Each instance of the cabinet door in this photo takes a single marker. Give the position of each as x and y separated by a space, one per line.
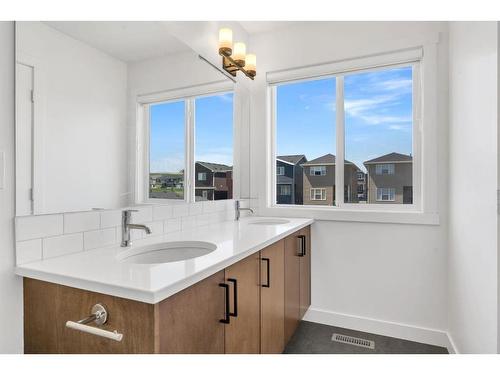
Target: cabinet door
242 334
305 273
189 321
292 284
272 299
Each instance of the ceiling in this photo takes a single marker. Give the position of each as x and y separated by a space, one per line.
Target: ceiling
125 40
255 27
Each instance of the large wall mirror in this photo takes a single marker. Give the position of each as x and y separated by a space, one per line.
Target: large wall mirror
109 114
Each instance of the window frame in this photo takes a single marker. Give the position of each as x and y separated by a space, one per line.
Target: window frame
280 168
204 174
405 58
391 170
315 167
312 194
189 96
391 191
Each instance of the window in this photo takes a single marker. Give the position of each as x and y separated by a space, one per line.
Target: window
167 148
280 171
381 169
173 164
361 189
317 171
318 194
386 194
373 110
306 136
214 142
285 190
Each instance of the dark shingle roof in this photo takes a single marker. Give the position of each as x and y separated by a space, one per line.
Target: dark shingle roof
284 180
392 157
214 167
325 159
294 159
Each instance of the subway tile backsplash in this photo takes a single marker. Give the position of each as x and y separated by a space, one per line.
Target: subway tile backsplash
46 236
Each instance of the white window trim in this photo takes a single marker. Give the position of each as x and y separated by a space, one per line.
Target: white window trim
389 166
321 168
390 190
312 194
189 95
279 171
204 174
424 209
289 188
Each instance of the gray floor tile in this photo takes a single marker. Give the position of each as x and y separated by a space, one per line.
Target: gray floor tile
314 338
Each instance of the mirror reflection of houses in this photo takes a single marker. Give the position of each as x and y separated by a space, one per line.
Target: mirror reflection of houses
213 181
166 185
289 181
390 179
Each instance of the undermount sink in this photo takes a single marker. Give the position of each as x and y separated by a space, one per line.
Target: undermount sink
269 221
166 252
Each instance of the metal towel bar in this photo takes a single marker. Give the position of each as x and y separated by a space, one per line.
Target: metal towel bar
99 315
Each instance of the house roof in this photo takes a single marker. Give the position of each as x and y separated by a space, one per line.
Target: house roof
322 160
391 157
214 167
284 180
292 159
325 160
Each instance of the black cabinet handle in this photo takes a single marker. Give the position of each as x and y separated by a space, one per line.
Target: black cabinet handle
268 281
235 297
226 312
302 245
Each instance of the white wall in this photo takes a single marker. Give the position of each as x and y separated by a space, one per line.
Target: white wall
473 247
11 294
387 278
83 101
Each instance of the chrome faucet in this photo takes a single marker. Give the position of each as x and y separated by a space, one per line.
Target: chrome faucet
237 210
127 225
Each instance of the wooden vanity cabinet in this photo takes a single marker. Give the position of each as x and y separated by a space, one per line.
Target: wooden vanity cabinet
272 292
253 306
242 333
297 279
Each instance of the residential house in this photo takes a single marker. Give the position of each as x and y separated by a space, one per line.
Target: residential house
361 179
166 185
289 181
213 181
319 181
390 179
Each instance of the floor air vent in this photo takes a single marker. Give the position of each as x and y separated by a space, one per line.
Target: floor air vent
356 341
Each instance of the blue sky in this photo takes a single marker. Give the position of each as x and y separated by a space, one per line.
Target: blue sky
213 134
378 115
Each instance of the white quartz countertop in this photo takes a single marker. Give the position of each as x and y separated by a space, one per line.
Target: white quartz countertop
100 271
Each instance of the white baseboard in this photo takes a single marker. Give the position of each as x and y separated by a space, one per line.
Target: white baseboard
381 327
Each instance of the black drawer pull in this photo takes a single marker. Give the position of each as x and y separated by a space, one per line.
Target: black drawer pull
235 297
302 245
226 303
268 281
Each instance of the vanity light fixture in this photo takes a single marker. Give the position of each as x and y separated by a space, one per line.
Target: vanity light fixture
237 58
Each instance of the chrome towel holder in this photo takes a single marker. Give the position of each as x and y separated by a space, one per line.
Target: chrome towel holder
99 316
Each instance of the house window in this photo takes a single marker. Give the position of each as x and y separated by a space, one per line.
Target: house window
171 127
386 194
367 113
204 195
318 194
280 171
381 169
317 171
285 190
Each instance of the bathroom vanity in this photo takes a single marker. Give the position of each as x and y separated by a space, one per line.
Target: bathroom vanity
247 296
